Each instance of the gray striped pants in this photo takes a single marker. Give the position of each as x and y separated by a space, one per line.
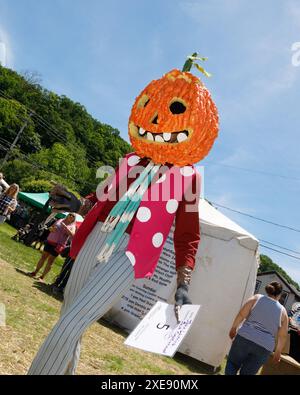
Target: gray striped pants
91 291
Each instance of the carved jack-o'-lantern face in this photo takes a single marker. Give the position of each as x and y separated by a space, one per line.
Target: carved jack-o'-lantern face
174 120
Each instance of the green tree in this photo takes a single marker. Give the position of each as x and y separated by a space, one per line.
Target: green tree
57 159
61 137
36 186
16 170
266 265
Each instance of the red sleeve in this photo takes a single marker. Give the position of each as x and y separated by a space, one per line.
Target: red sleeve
92 197
187 229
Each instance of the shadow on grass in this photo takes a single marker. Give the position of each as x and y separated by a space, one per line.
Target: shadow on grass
196 366
48 289
25 273
113 327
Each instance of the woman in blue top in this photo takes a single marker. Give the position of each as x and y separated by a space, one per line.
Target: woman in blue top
263 330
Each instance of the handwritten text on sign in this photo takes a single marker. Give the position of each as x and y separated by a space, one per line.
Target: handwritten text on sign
159 331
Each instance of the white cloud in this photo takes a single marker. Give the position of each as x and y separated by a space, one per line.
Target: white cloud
265 70
266 83
7 55
277 84
2 54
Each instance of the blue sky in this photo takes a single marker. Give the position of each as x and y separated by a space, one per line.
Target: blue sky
102 53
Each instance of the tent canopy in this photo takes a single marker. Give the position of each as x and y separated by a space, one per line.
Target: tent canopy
39 200
223 279
35 199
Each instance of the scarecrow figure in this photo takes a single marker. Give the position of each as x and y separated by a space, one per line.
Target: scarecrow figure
172 126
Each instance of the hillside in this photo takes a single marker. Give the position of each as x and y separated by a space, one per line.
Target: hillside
61 140
266 265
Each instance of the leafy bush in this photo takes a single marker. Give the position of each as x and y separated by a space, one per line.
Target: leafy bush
36 186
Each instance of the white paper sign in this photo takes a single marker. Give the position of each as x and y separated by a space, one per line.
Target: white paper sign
159 331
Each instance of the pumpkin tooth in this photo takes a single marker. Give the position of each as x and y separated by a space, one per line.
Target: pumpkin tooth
159 139
150 136
142 131
181 137
167 136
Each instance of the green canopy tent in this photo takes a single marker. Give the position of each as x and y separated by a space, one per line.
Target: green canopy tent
34 199
39 200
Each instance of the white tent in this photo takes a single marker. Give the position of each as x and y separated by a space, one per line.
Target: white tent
224 277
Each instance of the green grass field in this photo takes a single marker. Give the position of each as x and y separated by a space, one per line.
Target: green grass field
31 312
19 255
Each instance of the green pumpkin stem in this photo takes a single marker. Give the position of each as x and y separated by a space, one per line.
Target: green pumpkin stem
191 61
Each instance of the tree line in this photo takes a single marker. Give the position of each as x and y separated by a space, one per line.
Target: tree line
61 142
267 265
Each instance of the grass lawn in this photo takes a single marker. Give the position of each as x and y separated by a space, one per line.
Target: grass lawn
31 312
20 256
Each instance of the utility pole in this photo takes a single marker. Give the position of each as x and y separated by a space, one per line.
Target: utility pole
15 140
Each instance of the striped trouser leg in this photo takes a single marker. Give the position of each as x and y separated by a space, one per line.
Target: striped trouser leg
84 265
82 270
103 290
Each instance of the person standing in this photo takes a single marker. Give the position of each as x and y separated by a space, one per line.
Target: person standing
3 184
61 281
263 320
60 233
8 202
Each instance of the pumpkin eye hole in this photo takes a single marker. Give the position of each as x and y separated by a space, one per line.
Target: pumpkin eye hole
177 107
143 101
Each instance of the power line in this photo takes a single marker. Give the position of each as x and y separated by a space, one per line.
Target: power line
280 252
276 245
254 171
44 124
41 167
3 148
5 141
257 218
22 128
264 241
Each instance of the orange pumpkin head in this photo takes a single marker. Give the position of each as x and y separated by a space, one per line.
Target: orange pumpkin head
174 120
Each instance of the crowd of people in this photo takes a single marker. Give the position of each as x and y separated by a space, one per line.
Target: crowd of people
53 240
